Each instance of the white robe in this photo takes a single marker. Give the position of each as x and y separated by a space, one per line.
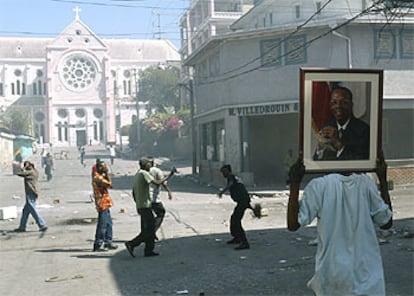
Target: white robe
348 258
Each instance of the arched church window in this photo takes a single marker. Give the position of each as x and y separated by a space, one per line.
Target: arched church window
95 130
66 131
59 130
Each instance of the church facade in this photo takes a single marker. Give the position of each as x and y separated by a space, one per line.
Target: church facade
77 88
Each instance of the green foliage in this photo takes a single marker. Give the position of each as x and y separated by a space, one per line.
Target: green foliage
17 120
159 86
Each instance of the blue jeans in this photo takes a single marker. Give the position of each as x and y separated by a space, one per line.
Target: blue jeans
103 228
30 208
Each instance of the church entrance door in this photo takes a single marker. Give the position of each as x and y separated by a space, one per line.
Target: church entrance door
80 138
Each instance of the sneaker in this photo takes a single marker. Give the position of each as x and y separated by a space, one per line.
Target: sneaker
151 254
20 230
43 229
233 241
99 248
130 249
242 246
110 246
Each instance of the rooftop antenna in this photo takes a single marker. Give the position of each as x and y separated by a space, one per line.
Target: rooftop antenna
158 25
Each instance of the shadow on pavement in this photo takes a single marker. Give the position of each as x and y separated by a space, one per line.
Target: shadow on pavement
206 264
279 263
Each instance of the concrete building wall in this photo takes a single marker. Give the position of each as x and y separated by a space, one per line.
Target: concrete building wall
218 92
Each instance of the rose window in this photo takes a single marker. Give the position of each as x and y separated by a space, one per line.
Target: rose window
78 72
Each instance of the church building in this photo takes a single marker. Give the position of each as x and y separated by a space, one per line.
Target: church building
77 88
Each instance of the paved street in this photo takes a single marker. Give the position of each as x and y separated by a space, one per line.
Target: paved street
194 258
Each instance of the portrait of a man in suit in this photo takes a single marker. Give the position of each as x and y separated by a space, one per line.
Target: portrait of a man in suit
342 136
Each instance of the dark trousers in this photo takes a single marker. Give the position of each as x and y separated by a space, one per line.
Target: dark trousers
147 234
159 211
236 229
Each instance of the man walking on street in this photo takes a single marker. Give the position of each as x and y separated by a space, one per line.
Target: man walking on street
347 206
141 195
31 177
112 153
49 166
156 204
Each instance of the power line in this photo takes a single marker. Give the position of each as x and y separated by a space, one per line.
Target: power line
307 44
98 34
280 42
118 5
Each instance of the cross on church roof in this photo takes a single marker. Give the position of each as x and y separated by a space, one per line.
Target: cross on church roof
77 10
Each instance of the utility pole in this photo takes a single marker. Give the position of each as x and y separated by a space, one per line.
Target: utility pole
193 131
190 90
137 107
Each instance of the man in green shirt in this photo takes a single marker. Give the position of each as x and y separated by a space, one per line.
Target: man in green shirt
141 194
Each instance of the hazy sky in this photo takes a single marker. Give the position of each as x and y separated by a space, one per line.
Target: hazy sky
136 19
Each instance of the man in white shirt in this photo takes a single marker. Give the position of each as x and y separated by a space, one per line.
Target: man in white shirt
112 154
348 259
156 203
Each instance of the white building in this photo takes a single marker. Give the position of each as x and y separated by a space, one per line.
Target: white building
246 82
77 88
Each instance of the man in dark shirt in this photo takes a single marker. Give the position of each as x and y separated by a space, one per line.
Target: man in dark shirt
343 137
240 195
31 177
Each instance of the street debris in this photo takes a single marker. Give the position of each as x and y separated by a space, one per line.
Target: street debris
8 213
57 279
182 292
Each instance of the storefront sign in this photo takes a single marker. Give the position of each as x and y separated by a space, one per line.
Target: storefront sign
264 109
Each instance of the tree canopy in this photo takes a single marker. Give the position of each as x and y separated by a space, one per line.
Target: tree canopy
159 87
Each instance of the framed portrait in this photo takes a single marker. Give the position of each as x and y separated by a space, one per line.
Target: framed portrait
340 119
